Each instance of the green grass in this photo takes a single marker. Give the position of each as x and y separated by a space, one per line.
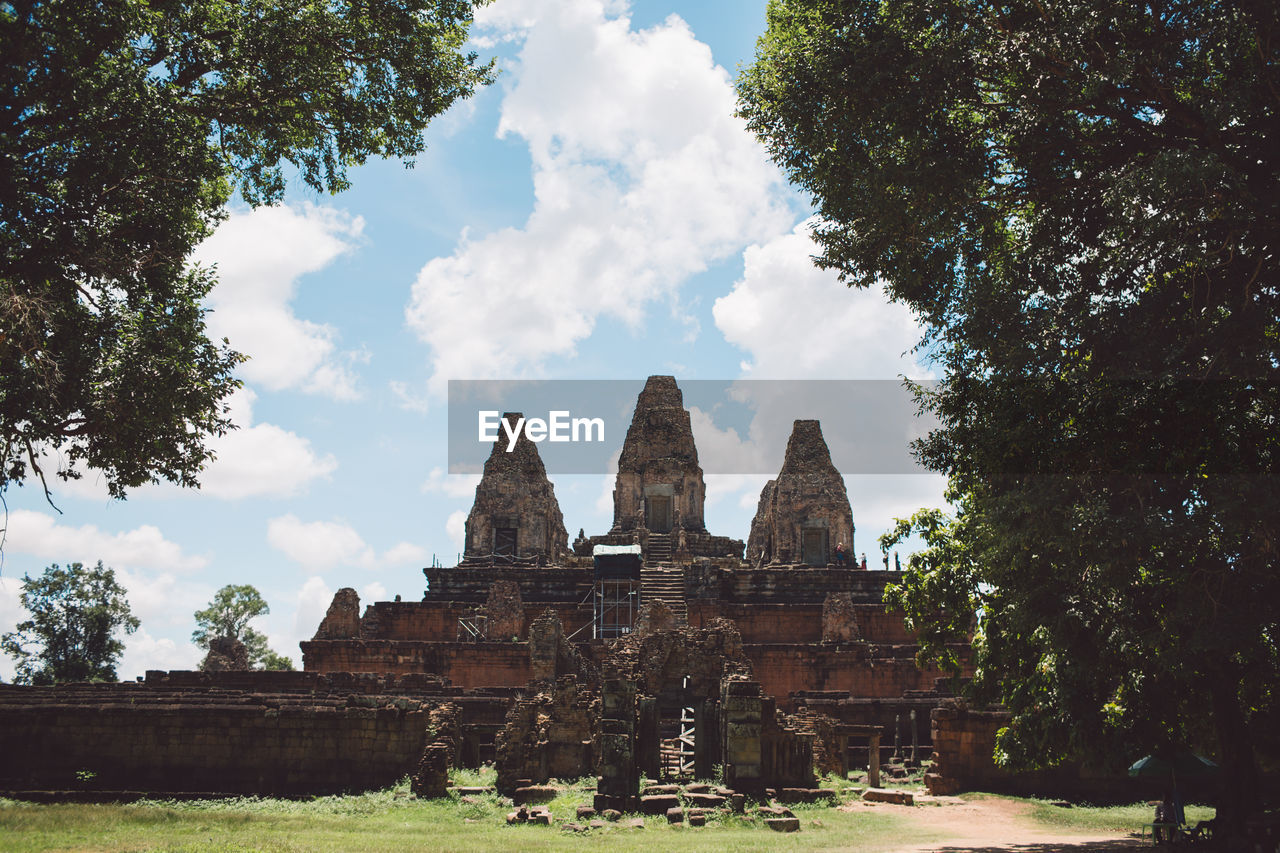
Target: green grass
391 820
1128 818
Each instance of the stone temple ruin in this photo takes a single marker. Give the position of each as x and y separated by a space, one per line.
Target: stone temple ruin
654 649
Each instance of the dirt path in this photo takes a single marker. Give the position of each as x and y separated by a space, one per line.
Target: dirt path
996 826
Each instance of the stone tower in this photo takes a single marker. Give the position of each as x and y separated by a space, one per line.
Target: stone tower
659 486
516 514
805 512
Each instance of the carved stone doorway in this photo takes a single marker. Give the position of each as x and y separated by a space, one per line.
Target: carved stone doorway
504 541
813 546
658 513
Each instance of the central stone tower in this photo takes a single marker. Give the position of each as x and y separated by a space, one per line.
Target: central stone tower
659 486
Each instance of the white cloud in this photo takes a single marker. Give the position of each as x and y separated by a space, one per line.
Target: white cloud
312 603
642 178
453 485
326 544
144 651
373 592
456 527
255 460
261 254
798 322
11 613
262 459
144 547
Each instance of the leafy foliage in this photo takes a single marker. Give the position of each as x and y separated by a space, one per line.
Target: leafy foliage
74 614
228 615
126 127
1080 201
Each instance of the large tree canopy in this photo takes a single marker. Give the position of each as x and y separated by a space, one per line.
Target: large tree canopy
125 126
1081 201
74 615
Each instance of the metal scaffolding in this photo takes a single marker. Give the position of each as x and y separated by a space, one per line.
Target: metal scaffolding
616 603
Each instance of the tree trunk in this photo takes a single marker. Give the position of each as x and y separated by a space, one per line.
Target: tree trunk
1239 772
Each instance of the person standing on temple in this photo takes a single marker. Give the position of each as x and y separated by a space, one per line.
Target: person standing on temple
897 564
841 555
864 561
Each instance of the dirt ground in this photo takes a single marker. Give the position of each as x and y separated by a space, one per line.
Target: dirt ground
997 826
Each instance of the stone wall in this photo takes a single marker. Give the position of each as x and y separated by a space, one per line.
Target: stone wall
775 622
468 665
855 669
140 737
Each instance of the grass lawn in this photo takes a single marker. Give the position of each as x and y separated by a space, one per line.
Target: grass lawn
380 821
392 820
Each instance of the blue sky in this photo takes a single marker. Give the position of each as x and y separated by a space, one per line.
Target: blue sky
598 213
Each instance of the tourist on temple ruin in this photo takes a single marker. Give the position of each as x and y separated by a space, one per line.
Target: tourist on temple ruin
841 555
864 561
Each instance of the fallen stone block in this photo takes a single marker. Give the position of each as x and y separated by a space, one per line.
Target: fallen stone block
783 824
738 802
652 790
675 815
534 794
697 820
709 801
806 795
611 814
635 823
542 818
474 790
658 803
586 812
597 824
698 788
880 795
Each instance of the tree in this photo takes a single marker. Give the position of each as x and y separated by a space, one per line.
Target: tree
1079 200
125 128
228 615
74 616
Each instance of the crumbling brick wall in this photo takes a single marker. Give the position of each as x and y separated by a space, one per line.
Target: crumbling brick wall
549 736
964 742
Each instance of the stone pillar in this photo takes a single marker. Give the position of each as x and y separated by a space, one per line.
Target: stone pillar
741 725
873 760
706 744
915 741
897 735
648 747
544 644
618 786
432 778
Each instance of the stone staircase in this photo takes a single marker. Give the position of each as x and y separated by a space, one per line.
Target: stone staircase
658 549
667 585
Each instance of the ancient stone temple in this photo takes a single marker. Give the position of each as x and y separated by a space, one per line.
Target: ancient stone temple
516 517
653 647
804 513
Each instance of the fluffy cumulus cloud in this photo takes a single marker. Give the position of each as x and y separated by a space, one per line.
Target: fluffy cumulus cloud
261 459
261 254
326 544
642 177
144 547
796 321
